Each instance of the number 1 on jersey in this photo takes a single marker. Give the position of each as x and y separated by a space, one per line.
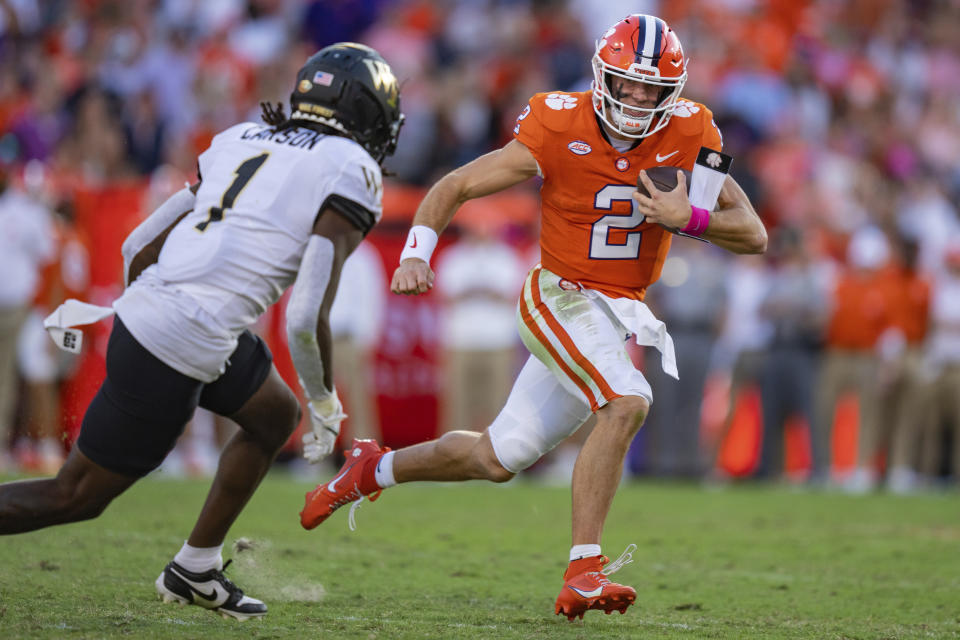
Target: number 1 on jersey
244 172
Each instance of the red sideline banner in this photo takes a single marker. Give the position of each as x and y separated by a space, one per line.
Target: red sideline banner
407 365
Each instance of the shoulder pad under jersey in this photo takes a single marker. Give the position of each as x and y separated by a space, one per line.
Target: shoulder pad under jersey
557 111
690 116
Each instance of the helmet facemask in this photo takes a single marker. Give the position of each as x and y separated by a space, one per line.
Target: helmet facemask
628 120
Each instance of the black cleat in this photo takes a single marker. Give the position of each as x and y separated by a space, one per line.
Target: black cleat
210 589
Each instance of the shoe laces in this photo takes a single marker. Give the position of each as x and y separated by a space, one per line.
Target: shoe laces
351 516
625 558
225 581
349 496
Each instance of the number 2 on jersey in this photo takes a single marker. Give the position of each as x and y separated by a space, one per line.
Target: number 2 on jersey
244 172
600 247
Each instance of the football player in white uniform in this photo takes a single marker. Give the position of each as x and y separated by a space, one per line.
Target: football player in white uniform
276 203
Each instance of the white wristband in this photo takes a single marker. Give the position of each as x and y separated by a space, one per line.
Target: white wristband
421 241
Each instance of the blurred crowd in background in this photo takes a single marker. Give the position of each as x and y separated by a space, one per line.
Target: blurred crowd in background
833 359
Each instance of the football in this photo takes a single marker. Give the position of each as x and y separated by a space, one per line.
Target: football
665 179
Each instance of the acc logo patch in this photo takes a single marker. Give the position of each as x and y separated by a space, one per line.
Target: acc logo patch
579 147
685 109
622 164
566 285
304 86
561 101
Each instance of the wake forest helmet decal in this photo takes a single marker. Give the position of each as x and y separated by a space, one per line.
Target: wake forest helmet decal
349 87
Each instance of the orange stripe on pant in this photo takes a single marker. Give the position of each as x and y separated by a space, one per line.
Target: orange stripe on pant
567 341
542 339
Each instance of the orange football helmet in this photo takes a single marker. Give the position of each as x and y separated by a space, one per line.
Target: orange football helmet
639 48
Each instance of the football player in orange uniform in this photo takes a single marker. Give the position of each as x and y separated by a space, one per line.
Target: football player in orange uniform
602 244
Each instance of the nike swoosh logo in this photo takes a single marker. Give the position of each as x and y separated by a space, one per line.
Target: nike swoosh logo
215 597
661 158
589 594
676 63
332 487
414 245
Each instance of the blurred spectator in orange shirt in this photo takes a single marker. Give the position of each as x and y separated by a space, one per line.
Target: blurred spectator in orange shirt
903 392
861 312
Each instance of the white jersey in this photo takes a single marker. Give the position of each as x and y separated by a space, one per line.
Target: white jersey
233 256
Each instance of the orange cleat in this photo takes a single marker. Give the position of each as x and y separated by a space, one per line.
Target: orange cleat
586 587
354 482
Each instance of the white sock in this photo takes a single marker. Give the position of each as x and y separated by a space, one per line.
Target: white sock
384 471
199 560
579 551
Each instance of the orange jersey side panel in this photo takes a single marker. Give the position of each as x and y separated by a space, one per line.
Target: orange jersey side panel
591 232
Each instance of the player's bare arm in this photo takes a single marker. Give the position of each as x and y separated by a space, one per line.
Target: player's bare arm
495 171
734 225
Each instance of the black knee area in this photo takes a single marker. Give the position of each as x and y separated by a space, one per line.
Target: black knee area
89 510
274 417
292 413
75 504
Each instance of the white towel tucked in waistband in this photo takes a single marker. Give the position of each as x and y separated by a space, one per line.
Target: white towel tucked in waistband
73 313
648 331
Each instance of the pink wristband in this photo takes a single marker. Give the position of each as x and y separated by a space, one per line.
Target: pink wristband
699 219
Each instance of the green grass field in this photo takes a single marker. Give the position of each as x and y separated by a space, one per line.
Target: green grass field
485 561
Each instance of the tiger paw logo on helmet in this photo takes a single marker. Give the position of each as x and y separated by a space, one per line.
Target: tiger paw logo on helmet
561 101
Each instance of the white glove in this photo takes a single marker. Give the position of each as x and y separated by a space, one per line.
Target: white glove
326 414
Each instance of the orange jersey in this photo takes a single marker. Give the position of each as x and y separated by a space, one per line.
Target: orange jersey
911 304
591 231
863 307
